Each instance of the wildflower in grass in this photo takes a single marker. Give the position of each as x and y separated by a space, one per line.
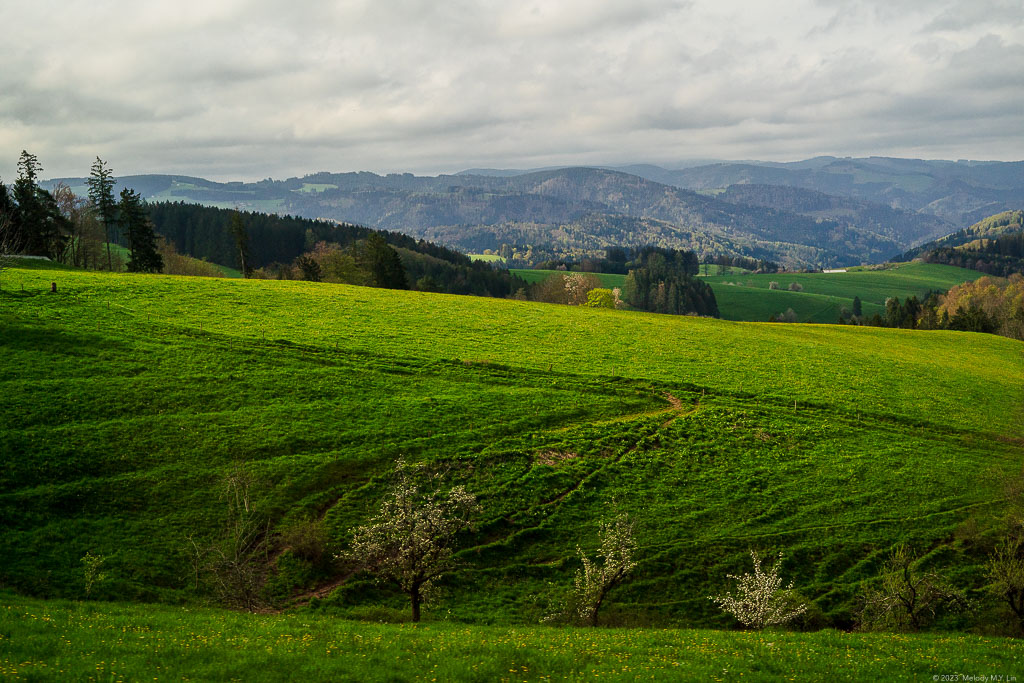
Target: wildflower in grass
760 600
412 539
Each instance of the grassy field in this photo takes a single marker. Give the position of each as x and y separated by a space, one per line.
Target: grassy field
124 399
609 280
489 258
121 642
747 297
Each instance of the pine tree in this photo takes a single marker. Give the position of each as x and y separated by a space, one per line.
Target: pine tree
38 221
101 194
384 263
241 235
138 229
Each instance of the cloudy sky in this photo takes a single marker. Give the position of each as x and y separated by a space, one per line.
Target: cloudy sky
237 89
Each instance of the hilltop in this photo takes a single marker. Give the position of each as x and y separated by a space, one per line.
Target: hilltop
126 400
713 210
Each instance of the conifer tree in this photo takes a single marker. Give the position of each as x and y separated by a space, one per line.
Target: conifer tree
101 194
38 221
137 227
241 235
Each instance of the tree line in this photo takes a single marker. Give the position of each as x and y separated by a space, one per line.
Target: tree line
989 304
1001 256
293 248
62 227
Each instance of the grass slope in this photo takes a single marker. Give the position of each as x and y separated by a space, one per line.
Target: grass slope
89 641
125 398
747 297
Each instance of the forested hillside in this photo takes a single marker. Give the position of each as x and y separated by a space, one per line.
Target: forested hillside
994 245
960 192
276 241
572 212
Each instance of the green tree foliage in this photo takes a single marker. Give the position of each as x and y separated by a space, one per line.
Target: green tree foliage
38 225
138 230
600 297
275 242
664 281
384 264
101 194
241 235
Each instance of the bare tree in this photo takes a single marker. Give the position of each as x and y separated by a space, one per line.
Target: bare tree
235 562
907 598
1005 571
596 578
8 245
760 600
411 540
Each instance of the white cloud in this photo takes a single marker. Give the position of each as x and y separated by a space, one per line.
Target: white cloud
251 89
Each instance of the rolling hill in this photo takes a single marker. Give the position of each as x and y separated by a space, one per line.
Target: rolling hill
125 400
570 211
961 192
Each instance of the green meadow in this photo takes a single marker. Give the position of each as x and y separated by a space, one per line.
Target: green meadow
125 399
62 640
824 295
609 280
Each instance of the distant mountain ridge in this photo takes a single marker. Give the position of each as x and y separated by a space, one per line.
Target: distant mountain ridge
761 210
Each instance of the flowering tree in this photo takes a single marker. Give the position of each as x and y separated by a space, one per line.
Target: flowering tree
596 578
760 600
411 540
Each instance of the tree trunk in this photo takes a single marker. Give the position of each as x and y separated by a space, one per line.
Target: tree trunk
415 597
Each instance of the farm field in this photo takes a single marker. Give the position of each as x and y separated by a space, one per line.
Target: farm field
747 297
63 640
125 399
741 303
609 280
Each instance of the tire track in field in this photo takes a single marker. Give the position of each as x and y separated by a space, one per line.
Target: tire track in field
676 406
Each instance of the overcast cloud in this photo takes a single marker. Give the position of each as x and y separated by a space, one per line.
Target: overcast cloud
250 89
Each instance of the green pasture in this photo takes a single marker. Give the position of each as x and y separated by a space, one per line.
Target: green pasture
317 187
609 280
748 297
487 258
126 398
121 642
738 302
